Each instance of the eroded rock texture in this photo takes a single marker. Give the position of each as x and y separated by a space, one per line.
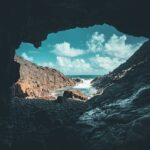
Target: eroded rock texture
74 94
39 82
119 118
31 21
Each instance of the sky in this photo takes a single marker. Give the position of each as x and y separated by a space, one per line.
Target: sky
96 50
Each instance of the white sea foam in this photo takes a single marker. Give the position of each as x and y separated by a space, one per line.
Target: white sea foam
85 85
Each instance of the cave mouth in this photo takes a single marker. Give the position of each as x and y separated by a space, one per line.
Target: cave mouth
80 53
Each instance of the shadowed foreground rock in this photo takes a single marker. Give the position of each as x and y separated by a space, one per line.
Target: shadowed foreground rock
31 21
119 118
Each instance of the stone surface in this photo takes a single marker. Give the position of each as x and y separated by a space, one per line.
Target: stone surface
119 117
41 124
117 128
74 94
127 78
78 80
31 21
36 81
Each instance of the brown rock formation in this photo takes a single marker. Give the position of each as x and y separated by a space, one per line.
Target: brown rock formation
37 81
74 94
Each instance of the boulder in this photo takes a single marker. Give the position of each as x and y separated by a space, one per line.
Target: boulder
74 94
78 80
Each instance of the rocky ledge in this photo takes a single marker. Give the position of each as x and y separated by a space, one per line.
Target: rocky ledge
119 116
38 82
74 94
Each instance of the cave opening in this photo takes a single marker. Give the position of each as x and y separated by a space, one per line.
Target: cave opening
81 54
118 66
117 119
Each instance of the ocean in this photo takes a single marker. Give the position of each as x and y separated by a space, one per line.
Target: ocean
84 87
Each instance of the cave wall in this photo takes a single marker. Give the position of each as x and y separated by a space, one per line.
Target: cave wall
31 21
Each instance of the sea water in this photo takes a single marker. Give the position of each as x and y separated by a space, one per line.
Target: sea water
85 86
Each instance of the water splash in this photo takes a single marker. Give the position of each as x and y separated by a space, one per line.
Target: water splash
84 85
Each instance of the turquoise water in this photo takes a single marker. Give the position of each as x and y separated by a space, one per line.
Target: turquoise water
84 87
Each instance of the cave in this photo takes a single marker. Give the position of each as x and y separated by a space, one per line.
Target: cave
31 21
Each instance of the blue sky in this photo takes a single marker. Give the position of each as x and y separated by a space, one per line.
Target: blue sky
96 50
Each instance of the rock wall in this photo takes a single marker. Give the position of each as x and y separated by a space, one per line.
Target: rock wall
36 81
128 77
31 21
119 117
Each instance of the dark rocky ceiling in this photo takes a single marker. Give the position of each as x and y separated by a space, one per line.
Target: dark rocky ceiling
31 21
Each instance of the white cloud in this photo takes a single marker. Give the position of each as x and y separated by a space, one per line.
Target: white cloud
114 51
25 56
65 49
95 44
105 64
73 66
109 54
116 46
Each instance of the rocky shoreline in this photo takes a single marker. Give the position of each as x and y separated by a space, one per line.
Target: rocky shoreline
39 82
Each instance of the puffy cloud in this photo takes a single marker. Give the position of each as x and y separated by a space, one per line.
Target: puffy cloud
95 44
116 46
65 49
102 55
73 66
25 56
105 63
111 53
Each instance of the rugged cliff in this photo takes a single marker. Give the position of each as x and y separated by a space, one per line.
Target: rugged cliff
116 119
128 77
119 116
32 20
112 127
37 81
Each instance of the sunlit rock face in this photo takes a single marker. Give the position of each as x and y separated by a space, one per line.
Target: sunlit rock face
39 82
